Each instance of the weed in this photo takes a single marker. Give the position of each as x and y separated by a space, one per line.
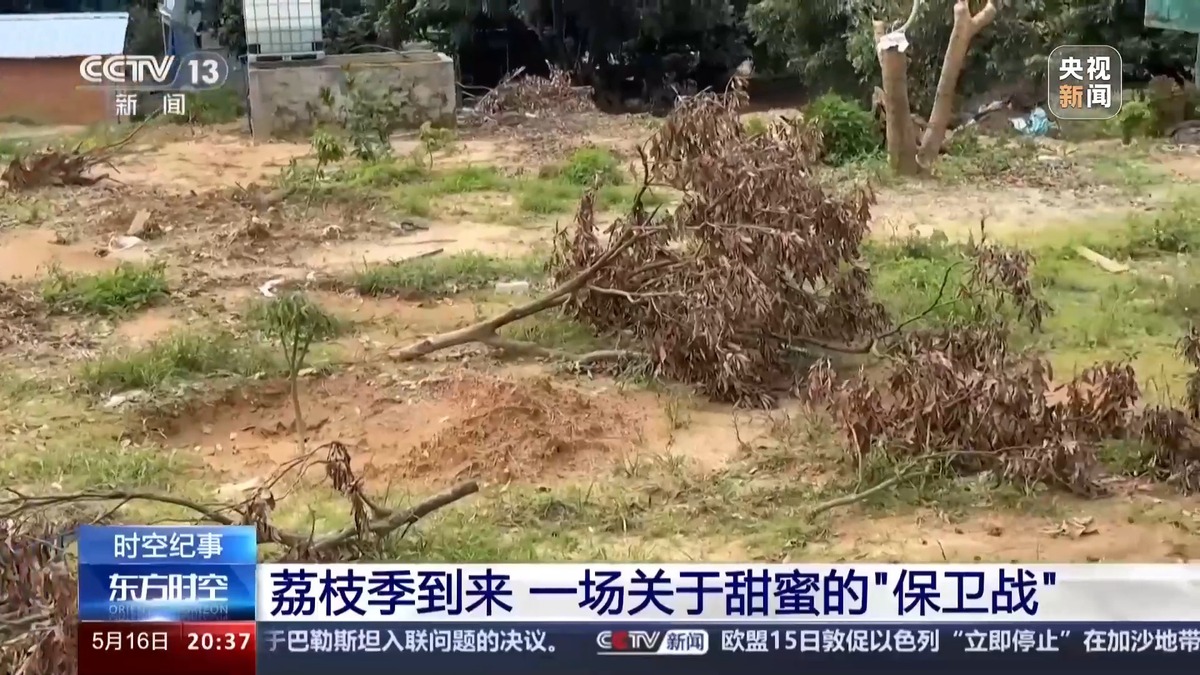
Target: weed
215 106
547 197
620 197
989 161
1172 231
556 332
470 179
1127 458
411 201
177 357
848 131
592 166
1135 119
443 274
127 288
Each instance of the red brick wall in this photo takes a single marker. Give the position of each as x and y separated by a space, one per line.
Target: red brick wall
44 91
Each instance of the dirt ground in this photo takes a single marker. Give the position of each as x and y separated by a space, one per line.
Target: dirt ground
572 465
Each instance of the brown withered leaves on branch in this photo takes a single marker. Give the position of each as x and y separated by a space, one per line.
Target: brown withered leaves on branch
38 600
756 260
961 393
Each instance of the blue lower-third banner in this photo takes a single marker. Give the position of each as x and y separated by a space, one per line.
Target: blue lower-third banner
693 649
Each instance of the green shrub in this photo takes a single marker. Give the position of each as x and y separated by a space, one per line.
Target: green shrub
848 130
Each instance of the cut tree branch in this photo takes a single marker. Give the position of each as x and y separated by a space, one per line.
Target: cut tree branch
20 504
484 332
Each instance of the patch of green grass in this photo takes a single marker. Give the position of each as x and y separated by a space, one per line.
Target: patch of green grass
1126 457
470 179
13 147
127 288
384 174
546 197
215 106
946 490
620 197
353 181
587 167
552 331
408 186
179 357
1171 230
754 126
443 274
412 200
971 159
1116 315
1125 173
872 169
908 272
65 444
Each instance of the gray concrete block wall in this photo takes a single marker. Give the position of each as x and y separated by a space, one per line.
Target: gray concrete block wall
285 96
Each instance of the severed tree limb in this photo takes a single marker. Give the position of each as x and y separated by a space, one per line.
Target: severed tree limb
485 331
910 470
21 504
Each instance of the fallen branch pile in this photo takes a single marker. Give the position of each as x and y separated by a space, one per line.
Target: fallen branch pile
757 261
61 168
530 94
962 395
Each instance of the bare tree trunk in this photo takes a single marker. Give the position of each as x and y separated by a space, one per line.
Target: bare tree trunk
901 137
965 28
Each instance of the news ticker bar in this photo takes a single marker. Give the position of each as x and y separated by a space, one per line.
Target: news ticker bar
318 648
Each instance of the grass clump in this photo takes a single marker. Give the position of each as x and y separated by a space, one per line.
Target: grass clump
546 197
470 179
591 166
552 331
215 106
125 289
175 358
443 274
848 131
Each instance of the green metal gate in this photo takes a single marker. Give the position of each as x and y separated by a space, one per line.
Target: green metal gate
1181 15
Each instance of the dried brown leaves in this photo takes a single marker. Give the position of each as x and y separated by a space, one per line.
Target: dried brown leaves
38 620
962 394
22 317
51 168
756 260
536 95
1174 433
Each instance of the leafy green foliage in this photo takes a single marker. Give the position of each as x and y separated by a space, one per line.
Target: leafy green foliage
1134 120
127 288
1012 47
590 166
848 131
295 322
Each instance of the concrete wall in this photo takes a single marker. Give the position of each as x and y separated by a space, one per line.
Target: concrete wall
46 91
285 96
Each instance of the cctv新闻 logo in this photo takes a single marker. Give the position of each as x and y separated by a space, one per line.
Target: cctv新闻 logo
674 642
